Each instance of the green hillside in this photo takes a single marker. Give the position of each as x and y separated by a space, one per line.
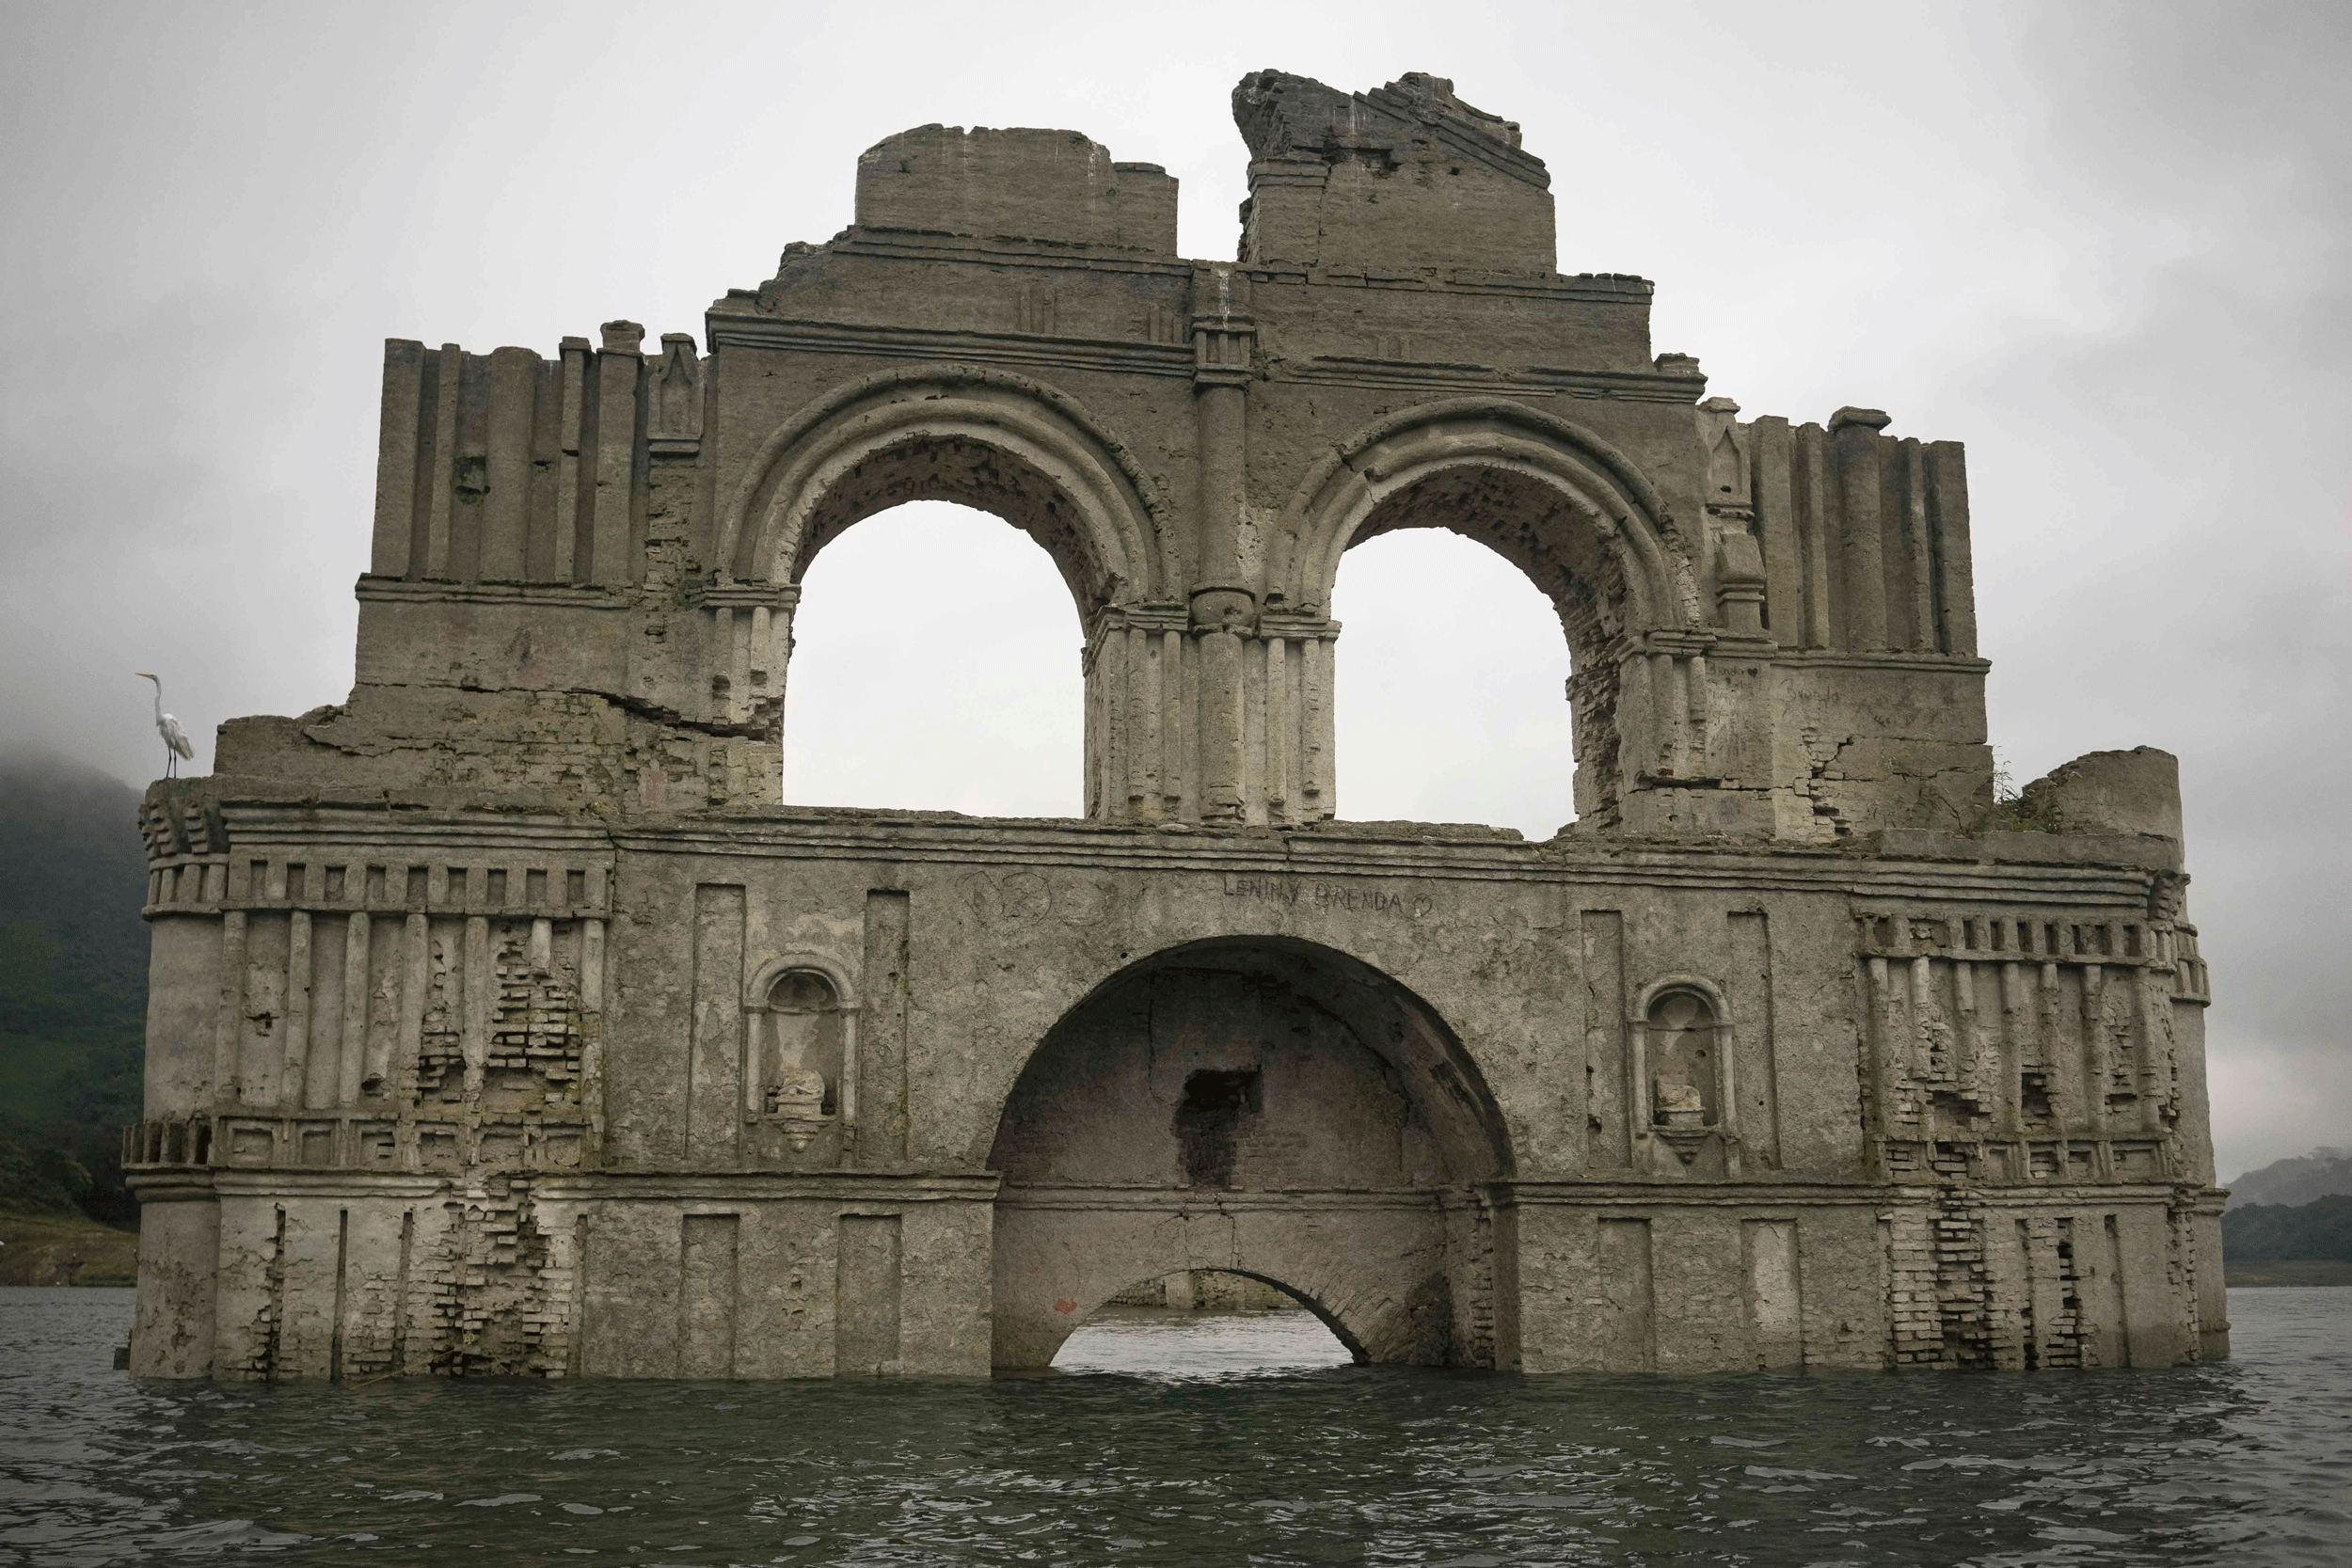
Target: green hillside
73 984
2315 1232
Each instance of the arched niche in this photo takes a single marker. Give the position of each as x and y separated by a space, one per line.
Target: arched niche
1681 1029
1562 505
1684 1061
800 1077
1265 1106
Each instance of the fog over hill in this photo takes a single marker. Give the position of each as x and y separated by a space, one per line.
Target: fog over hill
2306 1178
73 977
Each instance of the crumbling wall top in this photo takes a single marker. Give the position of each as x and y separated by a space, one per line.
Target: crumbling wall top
1283 115
2135 792
1401 179
1054 186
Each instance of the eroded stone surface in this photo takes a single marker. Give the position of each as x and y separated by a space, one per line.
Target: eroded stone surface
503 1022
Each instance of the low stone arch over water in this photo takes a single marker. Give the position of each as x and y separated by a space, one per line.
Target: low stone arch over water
1207 1324
1267 1107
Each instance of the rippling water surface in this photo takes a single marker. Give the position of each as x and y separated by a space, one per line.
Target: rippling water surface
1235 1440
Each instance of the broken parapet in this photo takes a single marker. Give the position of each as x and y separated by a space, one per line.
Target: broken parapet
1402 178
1055 186
533 538
2135 792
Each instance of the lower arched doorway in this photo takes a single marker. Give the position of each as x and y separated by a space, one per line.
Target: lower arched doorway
1267 1107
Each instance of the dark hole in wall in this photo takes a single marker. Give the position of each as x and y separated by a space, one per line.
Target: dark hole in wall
2033 1095
1208 1121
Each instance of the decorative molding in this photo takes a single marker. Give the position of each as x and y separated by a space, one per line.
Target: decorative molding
1472 379
1827 658
372 588
732 594
653 1186
1126 525
932 345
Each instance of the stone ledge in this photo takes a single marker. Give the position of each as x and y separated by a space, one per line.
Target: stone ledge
1797 1196
2142 851
904 1185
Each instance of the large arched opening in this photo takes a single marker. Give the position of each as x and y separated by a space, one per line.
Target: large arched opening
1572 513
1264 1106
901 697
1450 702
981 440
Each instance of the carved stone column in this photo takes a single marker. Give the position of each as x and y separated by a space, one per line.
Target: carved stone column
1224 600
750 646
1287 681
1139 665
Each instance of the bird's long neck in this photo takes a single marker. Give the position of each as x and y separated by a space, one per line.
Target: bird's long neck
159 700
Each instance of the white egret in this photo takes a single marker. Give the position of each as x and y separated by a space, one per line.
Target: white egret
175 743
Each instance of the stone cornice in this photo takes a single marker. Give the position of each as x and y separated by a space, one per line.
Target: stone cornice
1216 1200
372 588
746 596
1135 357
1311 854
1838 659
1129 356
494 837
926 244
1612 1193
189 1184
833 1186
1912 867
1524 381
1574 288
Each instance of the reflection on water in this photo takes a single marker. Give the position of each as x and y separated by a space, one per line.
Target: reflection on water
1176 1444
1142 1342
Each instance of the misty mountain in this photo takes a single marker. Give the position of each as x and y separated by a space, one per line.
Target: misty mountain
2322 1173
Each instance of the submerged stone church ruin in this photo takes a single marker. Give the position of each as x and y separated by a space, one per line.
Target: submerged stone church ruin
503 1020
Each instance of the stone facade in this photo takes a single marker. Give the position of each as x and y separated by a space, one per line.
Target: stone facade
503 1023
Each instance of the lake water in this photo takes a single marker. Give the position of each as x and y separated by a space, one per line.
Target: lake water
1211 1441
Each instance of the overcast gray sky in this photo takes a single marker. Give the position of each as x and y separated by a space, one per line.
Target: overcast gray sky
2103 245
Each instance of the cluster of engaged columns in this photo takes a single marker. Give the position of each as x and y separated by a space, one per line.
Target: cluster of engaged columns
751 646
1217 708
507 467
1666 684
1187 726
